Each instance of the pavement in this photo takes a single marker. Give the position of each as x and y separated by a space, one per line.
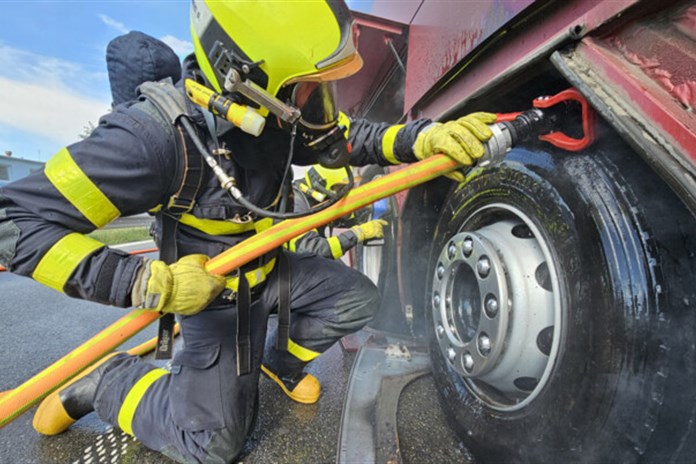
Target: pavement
40 325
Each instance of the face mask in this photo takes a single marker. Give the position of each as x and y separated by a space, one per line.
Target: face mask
318 123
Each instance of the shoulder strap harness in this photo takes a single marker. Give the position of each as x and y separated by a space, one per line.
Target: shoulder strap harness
171 104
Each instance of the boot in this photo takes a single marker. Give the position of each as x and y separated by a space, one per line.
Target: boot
302 387
62 408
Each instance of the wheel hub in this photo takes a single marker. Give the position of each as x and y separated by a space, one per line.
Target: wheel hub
494 310
468 274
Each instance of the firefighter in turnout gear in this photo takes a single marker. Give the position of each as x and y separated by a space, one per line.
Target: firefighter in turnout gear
320 184
276 61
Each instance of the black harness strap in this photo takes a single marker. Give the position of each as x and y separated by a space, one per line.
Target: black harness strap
171 104
283 302
243 325
168 254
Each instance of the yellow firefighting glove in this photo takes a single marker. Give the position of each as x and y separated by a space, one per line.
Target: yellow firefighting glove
459 139
369 230
184 287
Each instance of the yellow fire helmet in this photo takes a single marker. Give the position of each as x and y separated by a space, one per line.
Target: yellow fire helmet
325 180
274 43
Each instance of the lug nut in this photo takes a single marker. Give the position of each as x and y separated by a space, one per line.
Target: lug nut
440 271
483 267
451 250
440 330
484 344
451 354
468 362
491 306
436 299
468 246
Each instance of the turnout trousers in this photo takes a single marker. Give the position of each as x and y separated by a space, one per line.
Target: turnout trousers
200 410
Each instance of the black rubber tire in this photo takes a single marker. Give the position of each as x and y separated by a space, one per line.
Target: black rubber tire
622 387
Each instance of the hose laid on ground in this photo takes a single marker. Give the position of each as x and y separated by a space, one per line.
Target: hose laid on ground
17 401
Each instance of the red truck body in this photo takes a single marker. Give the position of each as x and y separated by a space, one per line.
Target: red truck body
592 252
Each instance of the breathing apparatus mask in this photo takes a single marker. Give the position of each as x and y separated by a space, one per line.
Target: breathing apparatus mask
309 112
318 123
310 106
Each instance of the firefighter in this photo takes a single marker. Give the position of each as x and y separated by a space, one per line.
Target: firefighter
203 406
318 185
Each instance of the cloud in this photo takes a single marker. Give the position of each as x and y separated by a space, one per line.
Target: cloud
57 114
49 97
27 67
180 47
119 26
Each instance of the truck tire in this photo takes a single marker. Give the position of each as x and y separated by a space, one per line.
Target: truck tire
561 308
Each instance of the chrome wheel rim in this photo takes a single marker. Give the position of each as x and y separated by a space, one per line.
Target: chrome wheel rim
496 307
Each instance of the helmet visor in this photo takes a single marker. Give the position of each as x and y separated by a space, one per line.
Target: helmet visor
317 104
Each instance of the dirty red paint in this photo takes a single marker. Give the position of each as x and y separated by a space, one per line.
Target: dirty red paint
628 79
443 33
664 51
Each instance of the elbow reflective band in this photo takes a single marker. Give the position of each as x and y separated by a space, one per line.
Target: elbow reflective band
335 245
136 393
300 352
59 262
388 141
216 227
67 177
254 277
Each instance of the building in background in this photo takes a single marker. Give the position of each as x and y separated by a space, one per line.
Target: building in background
12 168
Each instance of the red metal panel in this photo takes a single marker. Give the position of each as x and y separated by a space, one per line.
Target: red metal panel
539 37
442 33
661 108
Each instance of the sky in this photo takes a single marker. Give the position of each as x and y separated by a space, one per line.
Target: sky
53 78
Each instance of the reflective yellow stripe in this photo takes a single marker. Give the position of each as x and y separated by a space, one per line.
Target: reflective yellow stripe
263 224
344 120
292 244
301 353
216 227
59 262
67 177
388 141
254 277
335 245
136 393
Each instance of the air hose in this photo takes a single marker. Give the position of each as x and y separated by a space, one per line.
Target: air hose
229 184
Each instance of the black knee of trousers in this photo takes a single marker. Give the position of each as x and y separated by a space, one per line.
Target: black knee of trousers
357 306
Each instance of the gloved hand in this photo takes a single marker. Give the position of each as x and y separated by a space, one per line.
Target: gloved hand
369 230
459 139
184 287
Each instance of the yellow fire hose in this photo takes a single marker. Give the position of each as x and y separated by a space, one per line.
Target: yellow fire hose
15 402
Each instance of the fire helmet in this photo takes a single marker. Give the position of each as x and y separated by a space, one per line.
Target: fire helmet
274 43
